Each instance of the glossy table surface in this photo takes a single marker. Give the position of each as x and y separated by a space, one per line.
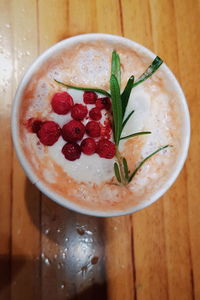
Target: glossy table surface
48 252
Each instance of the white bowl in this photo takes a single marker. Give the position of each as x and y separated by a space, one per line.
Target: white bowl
24 162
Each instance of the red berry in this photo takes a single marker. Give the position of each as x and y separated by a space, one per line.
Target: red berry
95 114
73 131
93 129
88 146
89 97
103 103
49 133
71 151
79 112
62 103
105 149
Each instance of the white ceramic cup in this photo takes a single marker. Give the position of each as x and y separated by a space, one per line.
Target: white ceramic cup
15 129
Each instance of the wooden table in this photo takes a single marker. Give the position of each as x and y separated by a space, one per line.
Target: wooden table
48 252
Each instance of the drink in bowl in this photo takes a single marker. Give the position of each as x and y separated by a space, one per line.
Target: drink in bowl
100 125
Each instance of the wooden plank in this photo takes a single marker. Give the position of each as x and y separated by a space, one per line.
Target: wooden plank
119 258
52 22
175 201
118 239
187 20
137 21
81 17
26 198
108 17
151 280
6 147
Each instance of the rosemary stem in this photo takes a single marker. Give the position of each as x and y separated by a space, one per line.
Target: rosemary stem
121 168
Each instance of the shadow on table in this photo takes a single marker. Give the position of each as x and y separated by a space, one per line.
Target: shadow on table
9 270
72 249
94 292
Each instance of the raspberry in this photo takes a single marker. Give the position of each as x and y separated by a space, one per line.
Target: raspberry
103 103
93 129
71 151
79 112
49 133
62 103
89 97
95 114
88 146
105 149
73 131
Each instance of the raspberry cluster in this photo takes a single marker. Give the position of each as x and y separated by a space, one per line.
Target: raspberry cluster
73 132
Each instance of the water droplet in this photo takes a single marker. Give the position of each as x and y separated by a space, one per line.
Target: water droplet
89 232
46 231
94 260
47 261
84 270
66 239
80 230
60 266
62 286
58 230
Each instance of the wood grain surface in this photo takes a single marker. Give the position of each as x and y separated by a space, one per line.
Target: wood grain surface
48 252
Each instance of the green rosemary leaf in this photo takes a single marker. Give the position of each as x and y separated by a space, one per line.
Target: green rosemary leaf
117 173
115 66
135 134
126 171
144 160
126 93
100 91
127 118
157 62
116 107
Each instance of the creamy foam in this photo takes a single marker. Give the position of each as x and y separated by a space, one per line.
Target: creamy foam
90 181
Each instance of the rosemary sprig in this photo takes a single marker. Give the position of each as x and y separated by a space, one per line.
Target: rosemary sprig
115 66
135 134
116 108
157 62
117 172
126 170
127 118
126 93
144 160
100 91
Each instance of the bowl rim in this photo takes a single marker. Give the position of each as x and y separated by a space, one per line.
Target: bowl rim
24 162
